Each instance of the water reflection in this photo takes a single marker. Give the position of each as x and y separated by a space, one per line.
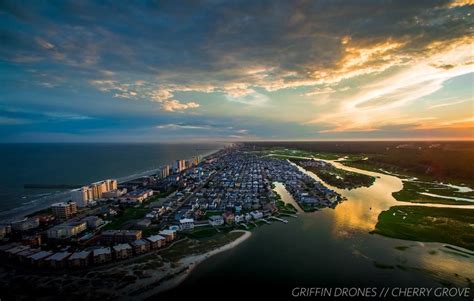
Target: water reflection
286 196
360 213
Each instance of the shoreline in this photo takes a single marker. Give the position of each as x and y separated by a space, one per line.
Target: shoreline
187 264
45 201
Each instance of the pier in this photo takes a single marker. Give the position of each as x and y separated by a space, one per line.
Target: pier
52 186
245 225
279 219
289 214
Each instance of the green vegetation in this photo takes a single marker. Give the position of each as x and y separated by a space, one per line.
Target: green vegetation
411 193
128 214
202 232
210 213
338 177
198 246
445 225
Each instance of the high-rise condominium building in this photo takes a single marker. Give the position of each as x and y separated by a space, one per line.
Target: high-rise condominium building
64 210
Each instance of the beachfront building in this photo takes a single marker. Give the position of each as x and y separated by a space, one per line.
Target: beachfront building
64 210
97 189
179 166
157 241
39 259
101 255
80 259
58 260
23 255
120 236
111 184
82 196
141 246
12 252
216 220
169 235
122 251
165 171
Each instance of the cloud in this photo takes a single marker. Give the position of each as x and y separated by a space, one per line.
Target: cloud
12 121
161 95
457 3
447 104
43 43
319 91
175 126
146 60
175 105
380 100
251 98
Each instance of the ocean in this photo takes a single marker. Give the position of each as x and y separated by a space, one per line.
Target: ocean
77 164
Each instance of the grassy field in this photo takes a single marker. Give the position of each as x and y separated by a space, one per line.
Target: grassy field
445 225
202 232
128 214
411 193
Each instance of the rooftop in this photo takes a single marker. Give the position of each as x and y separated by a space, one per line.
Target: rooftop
155 238
102 251
80 255
59 256
122 247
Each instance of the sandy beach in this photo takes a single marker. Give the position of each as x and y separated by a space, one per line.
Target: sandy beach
187 264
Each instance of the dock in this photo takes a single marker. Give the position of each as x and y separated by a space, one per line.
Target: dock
245 225
279 219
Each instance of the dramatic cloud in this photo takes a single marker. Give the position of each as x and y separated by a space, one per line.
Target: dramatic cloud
319 67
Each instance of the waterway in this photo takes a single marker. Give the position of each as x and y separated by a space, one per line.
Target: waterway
329 248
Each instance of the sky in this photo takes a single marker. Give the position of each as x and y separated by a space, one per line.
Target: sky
170 71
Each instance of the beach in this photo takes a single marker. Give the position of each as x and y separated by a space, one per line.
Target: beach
186 265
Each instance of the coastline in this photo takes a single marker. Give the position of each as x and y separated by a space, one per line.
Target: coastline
45 201
185 266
